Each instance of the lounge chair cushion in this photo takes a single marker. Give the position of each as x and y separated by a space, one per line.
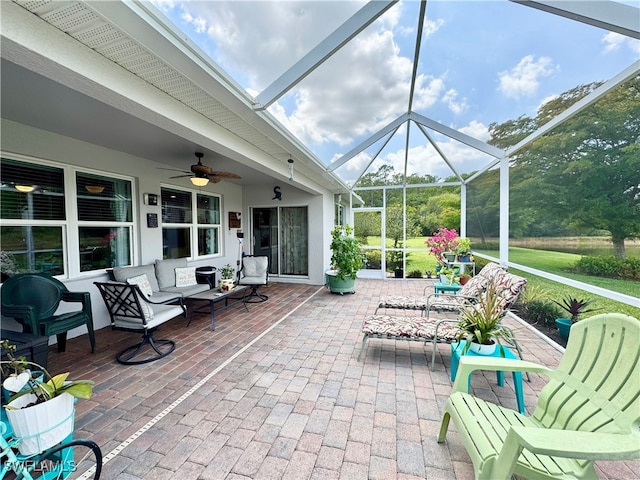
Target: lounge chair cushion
409 327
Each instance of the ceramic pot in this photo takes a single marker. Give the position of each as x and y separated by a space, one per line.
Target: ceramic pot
564 327
226 284
480 349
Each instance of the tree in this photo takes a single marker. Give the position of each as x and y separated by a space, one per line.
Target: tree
584 173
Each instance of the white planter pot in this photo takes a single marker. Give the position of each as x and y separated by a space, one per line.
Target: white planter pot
41 426
226 284
480 349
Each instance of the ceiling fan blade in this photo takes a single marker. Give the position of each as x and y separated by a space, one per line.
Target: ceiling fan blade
224 175
173 169
182 176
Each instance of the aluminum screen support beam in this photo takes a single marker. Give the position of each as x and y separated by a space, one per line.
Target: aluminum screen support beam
613 16
323 51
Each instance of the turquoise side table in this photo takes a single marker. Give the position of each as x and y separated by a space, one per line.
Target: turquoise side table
456 351
446 287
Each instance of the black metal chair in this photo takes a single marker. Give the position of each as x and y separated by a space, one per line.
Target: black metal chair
254 273
33 298
130 310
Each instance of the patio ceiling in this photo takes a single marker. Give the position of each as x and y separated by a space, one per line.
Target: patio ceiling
141 40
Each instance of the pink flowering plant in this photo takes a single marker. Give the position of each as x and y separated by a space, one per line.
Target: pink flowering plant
444 240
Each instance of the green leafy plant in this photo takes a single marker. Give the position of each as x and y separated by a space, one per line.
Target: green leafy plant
345 256
51 388
414 274
13 366
575 307
463 247
481 322
227 271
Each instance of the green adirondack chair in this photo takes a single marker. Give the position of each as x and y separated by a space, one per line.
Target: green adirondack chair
589 410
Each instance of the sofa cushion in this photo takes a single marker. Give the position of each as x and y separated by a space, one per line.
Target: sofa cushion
166 271
186 291
121 274
185 276
143 283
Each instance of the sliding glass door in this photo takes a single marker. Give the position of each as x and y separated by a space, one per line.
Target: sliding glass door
282 234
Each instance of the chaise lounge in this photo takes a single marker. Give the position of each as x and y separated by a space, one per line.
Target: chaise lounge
434 331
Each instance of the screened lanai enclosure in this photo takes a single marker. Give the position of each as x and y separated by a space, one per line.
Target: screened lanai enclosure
515 122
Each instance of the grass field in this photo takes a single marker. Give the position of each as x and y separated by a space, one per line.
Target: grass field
548 261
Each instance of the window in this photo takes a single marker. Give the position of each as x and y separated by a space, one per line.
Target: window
33 217
105 221
38 230
182 225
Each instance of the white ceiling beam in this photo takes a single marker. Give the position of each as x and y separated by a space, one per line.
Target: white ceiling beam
613 16
440 152
323 51
368 142
456 135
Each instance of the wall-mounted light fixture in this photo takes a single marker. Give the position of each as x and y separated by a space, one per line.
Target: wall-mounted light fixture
25 188
199 181
290 161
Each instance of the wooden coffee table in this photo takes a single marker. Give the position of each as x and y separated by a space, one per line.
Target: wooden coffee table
214 296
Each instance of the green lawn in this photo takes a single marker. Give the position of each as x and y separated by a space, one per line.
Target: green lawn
548 261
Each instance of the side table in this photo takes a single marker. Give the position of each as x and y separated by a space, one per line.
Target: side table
456 352
446 287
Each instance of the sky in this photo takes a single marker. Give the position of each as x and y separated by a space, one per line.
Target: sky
481 62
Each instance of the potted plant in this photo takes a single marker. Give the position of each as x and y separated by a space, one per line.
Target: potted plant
447 275
575 308
346 260
463 278
463 249
41 414
443 243
226 283
480 324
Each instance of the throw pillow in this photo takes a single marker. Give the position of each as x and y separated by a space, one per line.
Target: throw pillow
186 276
143 283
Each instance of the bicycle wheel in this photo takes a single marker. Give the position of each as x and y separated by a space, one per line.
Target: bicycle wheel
71 460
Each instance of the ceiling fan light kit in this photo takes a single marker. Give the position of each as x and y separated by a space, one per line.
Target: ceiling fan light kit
200 174
199 181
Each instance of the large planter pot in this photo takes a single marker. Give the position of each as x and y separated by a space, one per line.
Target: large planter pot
41 426
398 273
464 258
337 285
450 257
480 349
564 327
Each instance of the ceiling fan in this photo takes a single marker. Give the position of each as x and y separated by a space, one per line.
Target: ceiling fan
201 174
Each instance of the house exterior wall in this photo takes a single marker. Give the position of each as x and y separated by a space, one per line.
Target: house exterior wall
25 142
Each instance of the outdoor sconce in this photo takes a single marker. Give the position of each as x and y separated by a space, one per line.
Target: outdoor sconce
290 161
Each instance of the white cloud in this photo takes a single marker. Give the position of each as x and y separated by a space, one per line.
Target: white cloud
371 91
524 79
614 41
455 105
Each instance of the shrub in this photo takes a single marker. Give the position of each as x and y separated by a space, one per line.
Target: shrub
542 312
414 274
609 266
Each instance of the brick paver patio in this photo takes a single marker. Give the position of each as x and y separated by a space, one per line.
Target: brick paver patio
277 392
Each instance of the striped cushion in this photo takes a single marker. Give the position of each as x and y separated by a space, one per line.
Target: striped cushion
398 301
408 327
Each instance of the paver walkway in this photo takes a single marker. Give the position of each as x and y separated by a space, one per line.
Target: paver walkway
277 393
